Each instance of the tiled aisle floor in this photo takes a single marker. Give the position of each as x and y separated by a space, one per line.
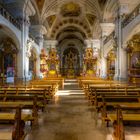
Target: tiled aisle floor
70 117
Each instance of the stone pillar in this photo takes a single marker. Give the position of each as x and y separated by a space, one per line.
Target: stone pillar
21 57
107 29
38 31
121 59
123 74
27 11
48 44
89 43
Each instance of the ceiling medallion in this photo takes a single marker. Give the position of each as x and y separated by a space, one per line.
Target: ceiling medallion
70 9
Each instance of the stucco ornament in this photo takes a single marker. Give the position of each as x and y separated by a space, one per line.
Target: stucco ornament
29 47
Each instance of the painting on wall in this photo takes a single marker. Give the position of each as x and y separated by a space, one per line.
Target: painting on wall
135 60
112 65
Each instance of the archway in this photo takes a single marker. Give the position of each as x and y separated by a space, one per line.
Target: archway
8 58
70 63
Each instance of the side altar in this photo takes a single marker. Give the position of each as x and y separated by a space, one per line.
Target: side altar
89 63
49 65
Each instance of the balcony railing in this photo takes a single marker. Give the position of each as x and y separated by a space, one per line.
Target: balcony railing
110 37
10 18
131 16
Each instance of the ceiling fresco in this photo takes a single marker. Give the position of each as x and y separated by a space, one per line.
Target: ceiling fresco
70 9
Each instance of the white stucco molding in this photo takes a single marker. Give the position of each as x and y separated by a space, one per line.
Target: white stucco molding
29 9
107 28
50 43
39 29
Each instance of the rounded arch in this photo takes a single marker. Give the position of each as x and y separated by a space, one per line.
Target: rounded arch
66 44
130 34
80 26
88 5
11 34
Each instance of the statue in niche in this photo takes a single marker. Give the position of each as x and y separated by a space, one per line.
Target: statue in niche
29 47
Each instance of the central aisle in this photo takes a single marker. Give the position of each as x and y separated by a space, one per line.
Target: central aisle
69 117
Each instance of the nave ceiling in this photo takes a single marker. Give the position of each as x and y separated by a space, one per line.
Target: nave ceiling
69 18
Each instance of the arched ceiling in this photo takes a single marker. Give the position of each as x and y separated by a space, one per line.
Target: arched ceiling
57 15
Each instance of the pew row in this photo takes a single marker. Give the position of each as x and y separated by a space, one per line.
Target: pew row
18 118
118 120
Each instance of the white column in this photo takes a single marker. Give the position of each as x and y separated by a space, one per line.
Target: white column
38 73
107 29
123 65
48 44
21 57
28 11
89 43
121 59
38 31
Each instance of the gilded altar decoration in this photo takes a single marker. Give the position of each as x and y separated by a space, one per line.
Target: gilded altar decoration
71 65
133 53
70 9
89 63
8 58
43 63
53 63
111 56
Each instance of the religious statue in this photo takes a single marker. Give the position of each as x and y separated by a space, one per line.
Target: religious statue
29 47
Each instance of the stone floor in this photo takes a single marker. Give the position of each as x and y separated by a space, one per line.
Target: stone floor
70 117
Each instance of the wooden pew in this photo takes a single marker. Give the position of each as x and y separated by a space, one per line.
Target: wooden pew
80 79
116 98
102 91
59 79
25 94
33 105
119 118
18 119
53 83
